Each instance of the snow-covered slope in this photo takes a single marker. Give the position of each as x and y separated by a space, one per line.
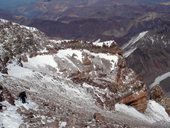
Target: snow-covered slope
131 46
154 112
10 117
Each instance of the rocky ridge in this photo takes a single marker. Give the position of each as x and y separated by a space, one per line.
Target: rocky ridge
148 55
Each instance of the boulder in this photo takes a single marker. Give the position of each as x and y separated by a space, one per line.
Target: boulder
157 93
98 117
137 100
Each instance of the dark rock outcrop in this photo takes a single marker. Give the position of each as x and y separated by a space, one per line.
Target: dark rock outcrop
137 95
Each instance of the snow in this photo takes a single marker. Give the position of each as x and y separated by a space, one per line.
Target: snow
60 41
78 55
160 78
43 51
1 50
22 26
32 29
129 48
62 124
69 53
41 61
9 118
135 39
28 105
129 52
154 112
112 58
18 72
4 21
66 54
107 43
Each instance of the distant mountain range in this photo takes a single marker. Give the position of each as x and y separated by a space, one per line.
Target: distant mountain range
88 19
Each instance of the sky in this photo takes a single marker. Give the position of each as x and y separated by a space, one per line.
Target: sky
12 4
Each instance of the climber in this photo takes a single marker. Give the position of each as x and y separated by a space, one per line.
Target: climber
1 107
23 96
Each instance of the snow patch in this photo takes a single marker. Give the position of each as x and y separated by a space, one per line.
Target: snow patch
112 58
4 21
101 44
62 124
160 78
60 41
129 52
18 72
135 39
32 29
78 55
41 61
28 105
154 112
69 53
9 118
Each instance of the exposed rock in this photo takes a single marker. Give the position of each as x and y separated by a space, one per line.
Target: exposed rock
86 61
16 39
6 95
136 95
121 82
157 93
54 124
138 100
98 117
4 71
